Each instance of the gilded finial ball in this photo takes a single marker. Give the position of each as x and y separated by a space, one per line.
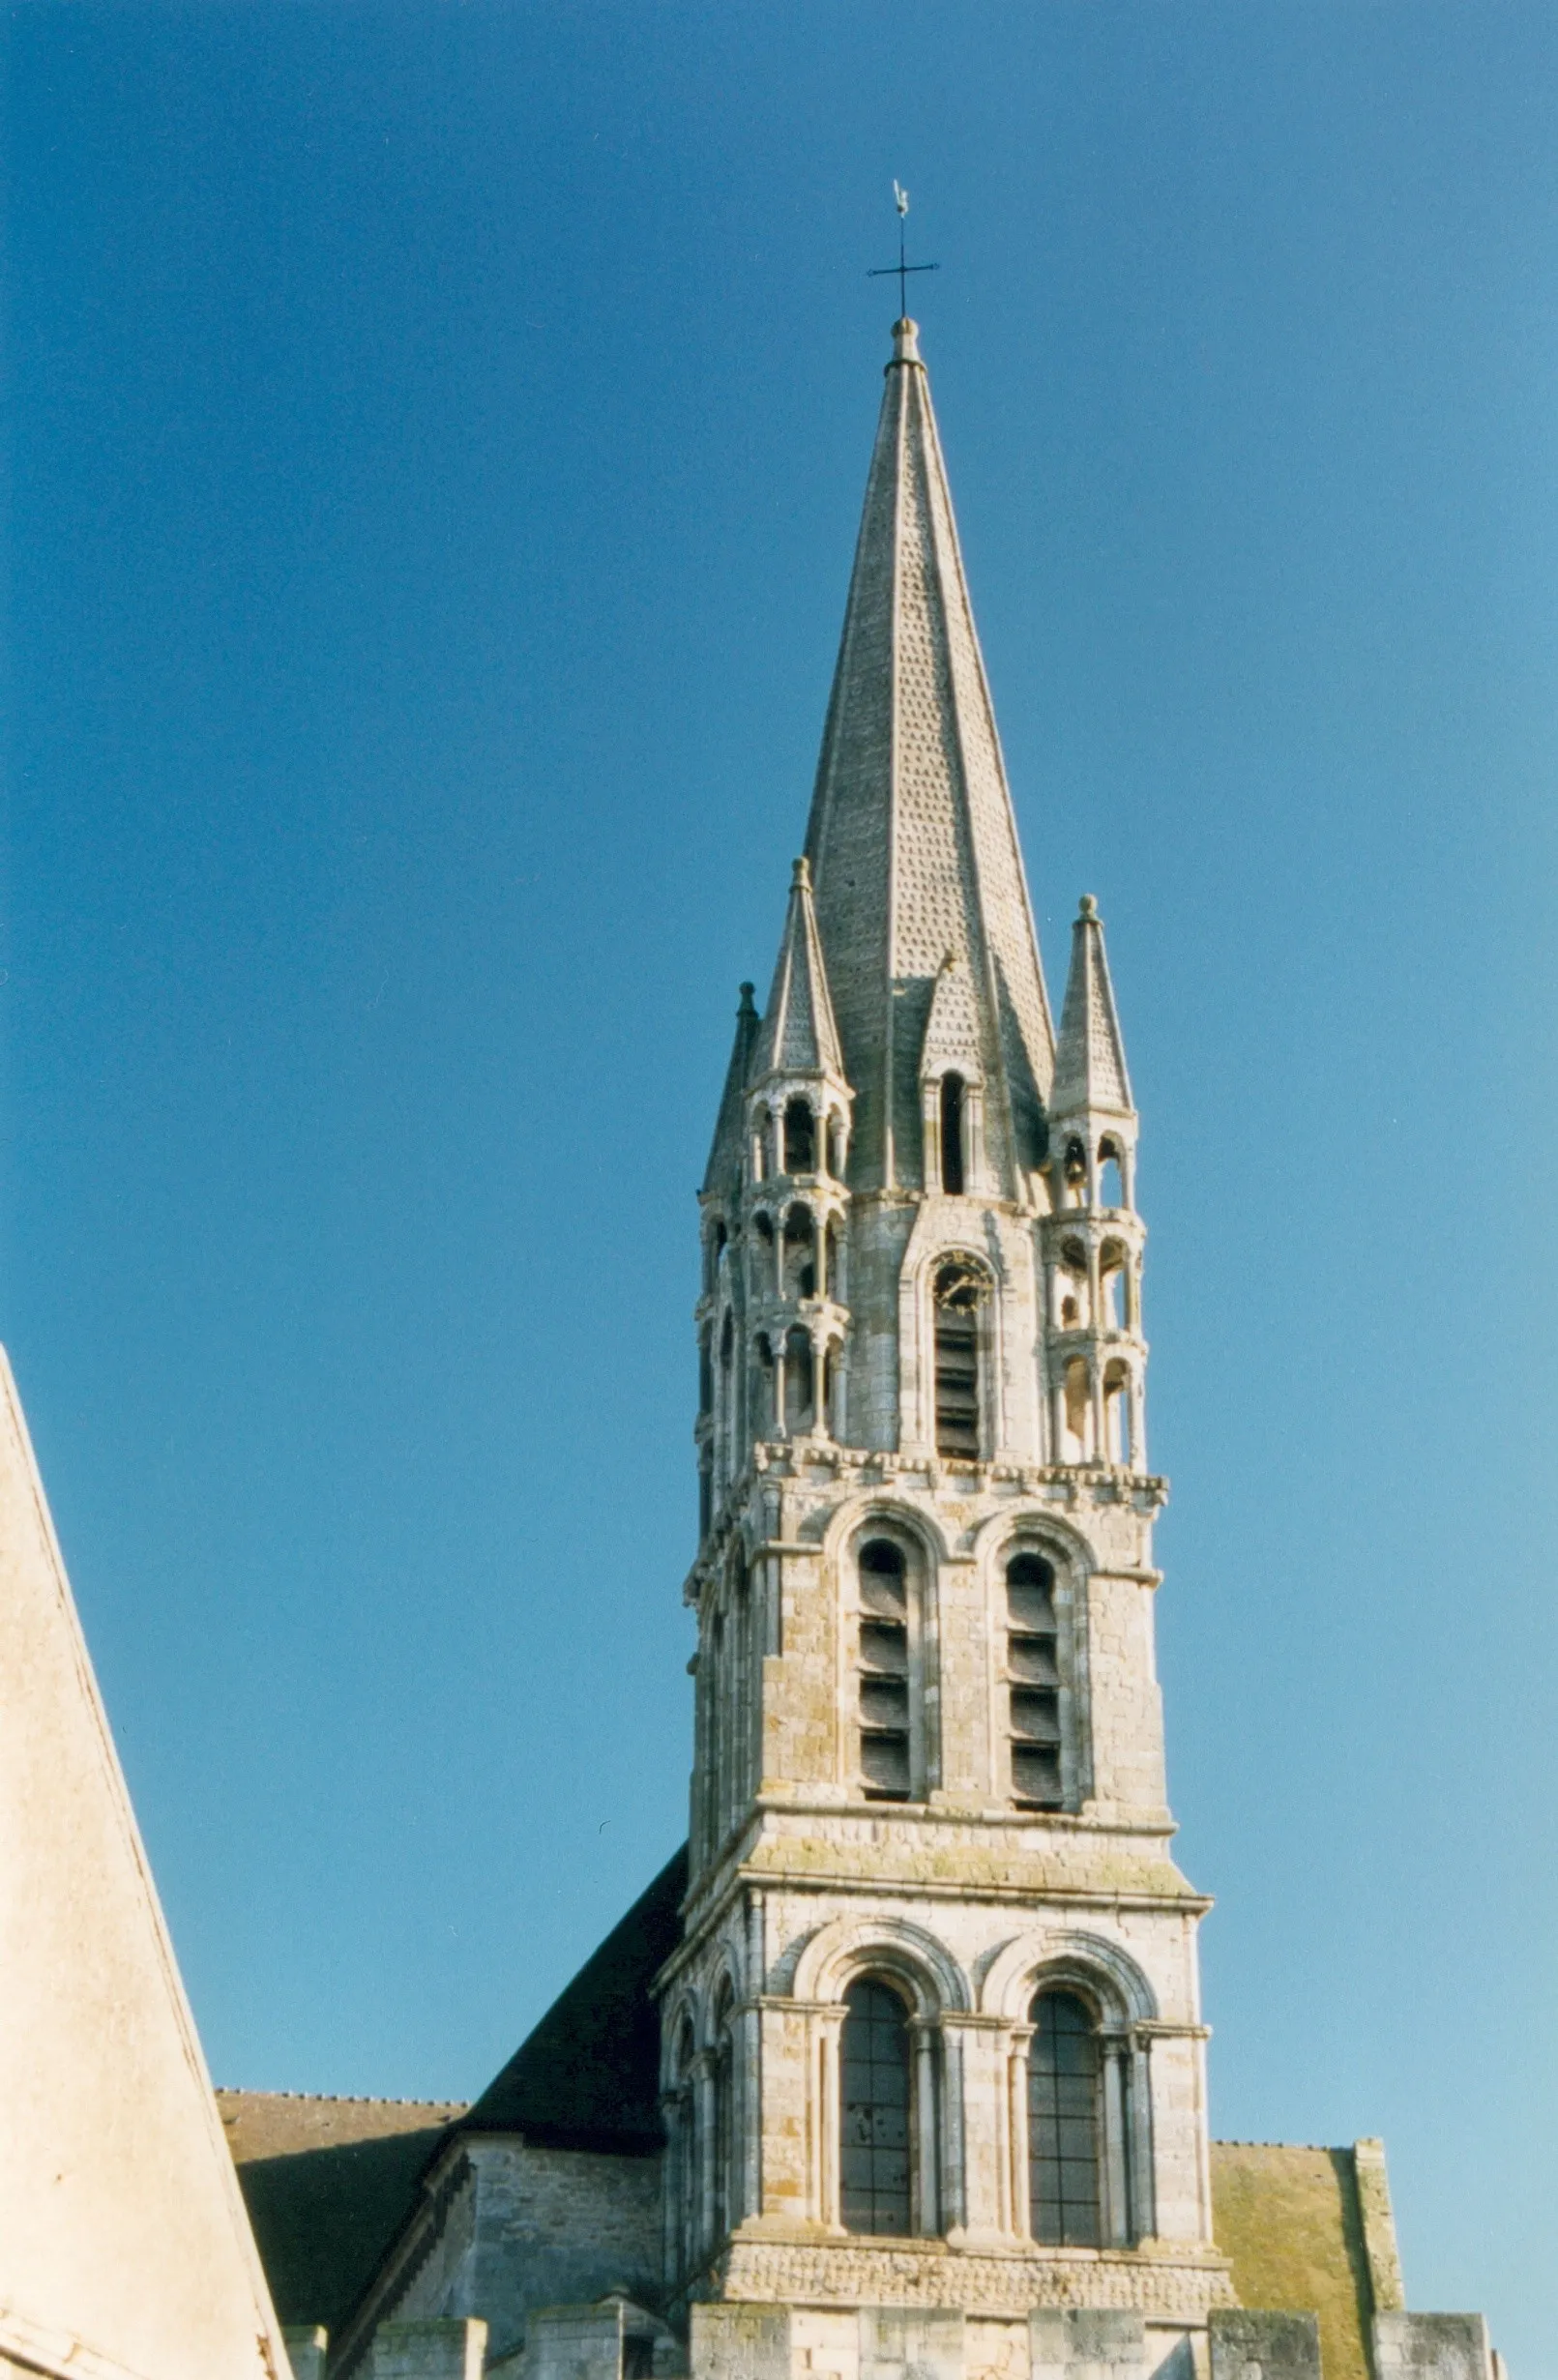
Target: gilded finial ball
1089 906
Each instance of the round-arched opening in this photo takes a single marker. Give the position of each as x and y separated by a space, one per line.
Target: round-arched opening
960 1290
884 1670
800 1136
1065 2165
876 2163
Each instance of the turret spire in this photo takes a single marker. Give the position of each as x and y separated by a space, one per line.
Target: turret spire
729 1133
912 839
799 1035
1090 1063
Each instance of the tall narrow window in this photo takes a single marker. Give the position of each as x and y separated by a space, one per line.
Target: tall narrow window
874 2127
1063 2123
1117 1413
800 1381
1033 1670
722 2144
952 1135
1111 1192
960 1294
884 1671
800 1136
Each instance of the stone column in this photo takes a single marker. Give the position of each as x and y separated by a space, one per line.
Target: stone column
1116 2209
1020 2216
705 2084
931 2189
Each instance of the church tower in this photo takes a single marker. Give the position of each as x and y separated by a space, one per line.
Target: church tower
932 2054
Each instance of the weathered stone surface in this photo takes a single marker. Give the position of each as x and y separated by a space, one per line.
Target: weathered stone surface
1256 2345
1094 2344
453 2350
1431 2347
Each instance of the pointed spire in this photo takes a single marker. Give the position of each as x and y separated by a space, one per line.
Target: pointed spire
912 837
724 1155
799 1035
123 2245
1090 1065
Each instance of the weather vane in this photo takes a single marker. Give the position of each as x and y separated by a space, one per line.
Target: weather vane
902 269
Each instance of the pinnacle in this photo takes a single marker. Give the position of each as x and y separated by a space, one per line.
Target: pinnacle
1090 1063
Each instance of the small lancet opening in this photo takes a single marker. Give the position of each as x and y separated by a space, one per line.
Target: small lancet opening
800 1136
1075 1167
766 1399
1078 1410
1115 1281
952 1115
884 1671
1111 1178
705 1373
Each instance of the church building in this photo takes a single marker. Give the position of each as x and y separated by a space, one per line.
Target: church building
899 2070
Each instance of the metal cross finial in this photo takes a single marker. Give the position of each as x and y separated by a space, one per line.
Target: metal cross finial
902 269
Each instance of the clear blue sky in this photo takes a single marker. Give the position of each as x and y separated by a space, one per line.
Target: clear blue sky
437 434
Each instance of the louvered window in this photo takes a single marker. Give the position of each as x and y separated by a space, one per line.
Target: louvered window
875 2112
1033 1682
884 1671
959 1296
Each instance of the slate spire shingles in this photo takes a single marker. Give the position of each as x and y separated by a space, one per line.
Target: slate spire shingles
1090 1060
912 839
799 1035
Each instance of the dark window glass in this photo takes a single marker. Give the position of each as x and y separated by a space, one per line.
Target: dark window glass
1033 1671
1063 2123
952 1134
884 1671
875 2112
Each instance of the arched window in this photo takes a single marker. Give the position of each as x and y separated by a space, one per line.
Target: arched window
683 2150
705 1374
1071 1287
885 1749
800 1136
1064 2125
1111 1192
960 1294
768 1417
835 1146
874 2163
1075 1171
723 2145
1033 1671
766 1278
952 1168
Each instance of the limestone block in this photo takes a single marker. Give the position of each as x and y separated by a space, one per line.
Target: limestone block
740 2342
429 2350
1249 2345
1431 2347
306 2347
898 2342
576 2342
1095 2343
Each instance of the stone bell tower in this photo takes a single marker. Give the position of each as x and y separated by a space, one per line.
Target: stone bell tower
932 2050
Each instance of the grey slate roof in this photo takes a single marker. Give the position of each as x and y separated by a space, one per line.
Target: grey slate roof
724 1154
1090 1063
798 1034
588 2076
912 839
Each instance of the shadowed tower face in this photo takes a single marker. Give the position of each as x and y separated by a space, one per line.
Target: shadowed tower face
937 1995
